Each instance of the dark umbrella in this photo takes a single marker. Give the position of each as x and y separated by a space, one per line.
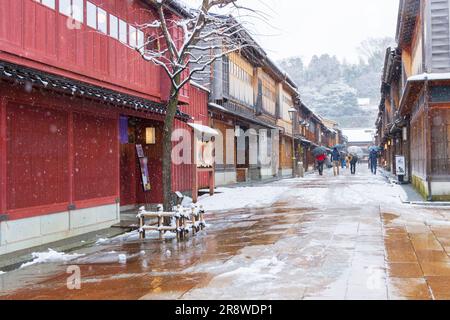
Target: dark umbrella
319 150
374 148
339 147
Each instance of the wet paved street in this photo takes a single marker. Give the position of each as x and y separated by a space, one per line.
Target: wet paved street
346 237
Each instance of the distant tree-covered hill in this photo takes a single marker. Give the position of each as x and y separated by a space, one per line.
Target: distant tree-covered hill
332 88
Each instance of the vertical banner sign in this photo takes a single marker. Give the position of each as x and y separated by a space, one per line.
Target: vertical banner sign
143 163
140 151
400 165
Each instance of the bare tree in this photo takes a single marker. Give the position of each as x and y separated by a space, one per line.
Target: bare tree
185 47
374 49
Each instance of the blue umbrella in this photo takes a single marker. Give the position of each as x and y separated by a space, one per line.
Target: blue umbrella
374 149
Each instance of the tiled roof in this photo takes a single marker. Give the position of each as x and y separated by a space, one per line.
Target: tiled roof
24 75
408 11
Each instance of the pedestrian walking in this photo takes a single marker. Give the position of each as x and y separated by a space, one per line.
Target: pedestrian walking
353 162
320 158
373 161
343 162
347 161
336 160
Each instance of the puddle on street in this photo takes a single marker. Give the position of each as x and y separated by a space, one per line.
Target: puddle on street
154 268
295 249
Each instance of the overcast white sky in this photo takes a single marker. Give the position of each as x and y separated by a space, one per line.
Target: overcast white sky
307 27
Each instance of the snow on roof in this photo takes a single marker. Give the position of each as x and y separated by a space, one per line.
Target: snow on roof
199 86
359 135
215 105
40 79
180 6
204 129
429 76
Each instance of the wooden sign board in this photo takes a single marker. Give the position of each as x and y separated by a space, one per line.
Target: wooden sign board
143 162
140 151
400 165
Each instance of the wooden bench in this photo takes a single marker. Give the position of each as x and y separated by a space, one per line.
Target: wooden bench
184 220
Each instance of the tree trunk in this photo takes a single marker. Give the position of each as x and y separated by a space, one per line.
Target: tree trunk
172 106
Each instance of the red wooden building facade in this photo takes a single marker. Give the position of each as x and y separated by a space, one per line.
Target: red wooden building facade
75 99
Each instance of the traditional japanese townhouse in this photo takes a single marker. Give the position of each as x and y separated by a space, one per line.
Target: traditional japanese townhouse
288 122
329 135
309 135
267 81
343 140
243 106
336 137
76 102
423 38
391 128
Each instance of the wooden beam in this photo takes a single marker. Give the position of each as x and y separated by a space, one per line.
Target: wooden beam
3 157
70 143
194 169
161 229
428 139
158 215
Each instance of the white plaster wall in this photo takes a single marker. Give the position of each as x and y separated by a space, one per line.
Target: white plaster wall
127 208
440 188
225 178
266 173
286 172
31 232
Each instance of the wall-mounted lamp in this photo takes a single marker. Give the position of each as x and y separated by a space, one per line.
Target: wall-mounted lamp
150 136
237 131
292 112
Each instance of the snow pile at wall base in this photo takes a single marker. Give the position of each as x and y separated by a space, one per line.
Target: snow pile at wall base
50 256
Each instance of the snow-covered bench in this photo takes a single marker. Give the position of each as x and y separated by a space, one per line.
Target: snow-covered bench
183 221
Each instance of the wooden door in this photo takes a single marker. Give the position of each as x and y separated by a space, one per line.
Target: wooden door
127 174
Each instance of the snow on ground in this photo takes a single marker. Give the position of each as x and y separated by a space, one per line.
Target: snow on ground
1 272
243 197
102 240
259 270
50 256
356 193
134 236
320 192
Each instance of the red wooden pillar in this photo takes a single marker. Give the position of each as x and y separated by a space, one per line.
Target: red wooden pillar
118 153
212 182
194 168
212 174
3 159
70 144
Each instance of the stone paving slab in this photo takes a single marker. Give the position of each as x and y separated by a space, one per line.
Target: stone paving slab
327 238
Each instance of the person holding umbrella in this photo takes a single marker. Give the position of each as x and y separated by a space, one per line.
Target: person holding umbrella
320 153
353 161
347 160
343 161
336 159
373 159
